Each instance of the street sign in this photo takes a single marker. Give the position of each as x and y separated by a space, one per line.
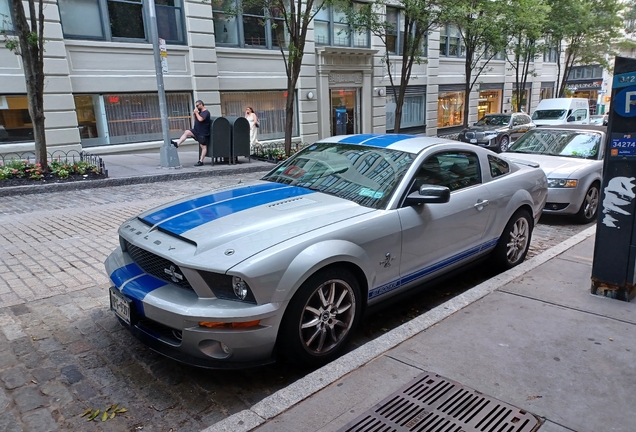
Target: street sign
163 52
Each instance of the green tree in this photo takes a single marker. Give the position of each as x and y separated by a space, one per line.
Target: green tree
417 18
290 21
481 24
28 43
583 30
524 26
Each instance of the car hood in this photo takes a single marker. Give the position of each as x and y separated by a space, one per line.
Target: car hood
554 166
485 128
246 220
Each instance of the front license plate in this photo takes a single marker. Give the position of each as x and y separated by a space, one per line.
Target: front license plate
473 141
120 305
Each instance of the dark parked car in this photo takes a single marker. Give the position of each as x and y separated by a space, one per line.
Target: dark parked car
497 131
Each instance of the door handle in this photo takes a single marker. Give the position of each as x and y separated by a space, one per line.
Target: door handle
483 203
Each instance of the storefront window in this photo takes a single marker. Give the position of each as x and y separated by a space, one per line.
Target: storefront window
546 93
525 101
269 107
15 122
489 102
413 111
450 109
127 118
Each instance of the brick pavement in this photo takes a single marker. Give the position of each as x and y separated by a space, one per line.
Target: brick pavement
61 349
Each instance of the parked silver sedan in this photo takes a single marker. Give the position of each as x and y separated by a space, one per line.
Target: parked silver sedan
572 158
287 265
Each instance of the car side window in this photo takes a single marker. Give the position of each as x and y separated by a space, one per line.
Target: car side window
517 121
498 167
579 114
455 170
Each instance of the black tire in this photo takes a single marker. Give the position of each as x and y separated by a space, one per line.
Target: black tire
316 327
504 142
589 207
514 242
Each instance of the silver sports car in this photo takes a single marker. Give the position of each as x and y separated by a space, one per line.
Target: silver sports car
572 158
287 265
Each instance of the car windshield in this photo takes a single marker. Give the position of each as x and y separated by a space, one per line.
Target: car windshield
555 114
364 175
572 143
494 120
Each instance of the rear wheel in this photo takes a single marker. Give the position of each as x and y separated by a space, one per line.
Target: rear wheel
587 212
503 144
321 317
514 242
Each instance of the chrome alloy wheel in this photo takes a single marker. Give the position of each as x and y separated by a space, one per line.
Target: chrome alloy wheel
590 203
327 316
518 240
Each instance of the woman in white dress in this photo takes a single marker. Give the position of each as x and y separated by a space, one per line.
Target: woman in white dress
251 117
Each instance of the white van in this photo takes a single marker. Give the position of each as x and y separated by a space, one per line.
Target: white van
562 111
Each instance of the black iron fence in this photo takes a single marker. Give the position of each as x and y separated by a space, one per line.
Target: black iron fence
71 156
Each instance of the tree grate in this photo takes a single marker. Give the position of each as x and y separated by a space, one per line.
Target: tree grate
432 403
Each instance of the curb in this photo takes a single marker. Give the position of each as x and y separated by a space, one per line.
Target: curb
91 184
284 399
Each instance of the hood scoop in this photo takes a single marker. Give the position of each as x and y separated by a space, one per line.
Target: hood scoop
292 203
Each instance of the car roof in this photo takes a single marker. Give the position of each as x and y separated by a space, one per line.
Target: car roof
401 142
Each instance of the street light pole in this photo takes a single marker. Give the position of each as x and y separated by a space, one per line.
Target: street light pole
169 158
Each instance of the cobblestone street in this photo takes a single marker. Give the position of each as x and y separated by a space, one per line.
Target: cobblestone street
62 351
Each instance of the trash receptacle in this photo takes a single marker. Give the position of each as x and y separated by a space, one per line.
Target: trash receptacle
220 139
240 137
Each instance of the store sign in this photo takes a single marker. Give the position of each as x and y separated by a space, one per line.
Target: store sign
586 86
339 77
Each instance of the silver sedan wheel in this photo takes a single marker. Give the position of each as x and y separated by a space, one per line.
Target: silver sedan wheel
327 316
590 204
518 240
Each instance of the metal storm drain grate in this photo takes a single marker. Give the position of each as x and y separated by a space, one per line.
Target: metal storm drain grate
431 403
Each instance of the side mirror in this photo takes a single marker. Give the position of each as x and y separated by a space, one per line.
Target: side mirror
570 119
429 194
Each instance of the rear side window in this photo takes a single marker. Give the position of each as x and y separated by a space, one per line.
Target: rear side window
498 167
455 170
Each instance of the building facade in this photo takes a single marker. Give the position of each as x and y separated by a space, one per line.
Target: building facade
101 93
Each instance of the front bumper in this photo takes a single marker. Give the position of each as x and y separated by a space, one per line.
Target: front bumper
488 141
563 201
166 317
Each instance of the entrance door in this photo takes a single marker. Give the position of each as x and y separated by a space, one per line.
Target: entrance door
344 115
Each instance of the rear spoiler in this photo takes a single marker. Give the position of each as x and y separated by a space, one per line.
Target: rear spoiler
522 162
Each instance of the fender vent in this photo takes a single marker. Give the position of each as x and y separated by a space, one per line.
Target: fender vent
291 203
431 403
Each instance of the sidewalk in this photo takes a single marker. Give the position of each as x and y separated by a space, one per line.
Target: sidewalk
124 169
532 337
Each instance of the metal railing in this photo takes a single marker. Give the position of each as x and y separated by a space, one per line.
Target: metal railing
71 156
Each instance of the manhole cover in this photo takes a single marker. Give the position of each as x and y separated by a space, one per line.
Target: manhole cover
432 403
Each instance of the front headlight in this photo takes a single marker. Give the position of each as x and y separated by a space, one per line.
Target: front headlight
492 133
228 287
562 183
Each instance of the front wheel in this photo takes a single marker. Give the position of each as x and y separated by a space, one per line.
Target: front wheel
587 212
503 144
514 242
320 318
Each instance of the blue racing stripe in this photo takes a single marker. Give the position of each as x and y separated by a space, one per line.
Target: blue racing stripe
201 216
124 273
138 289
177 209
357 139
383 289
387 140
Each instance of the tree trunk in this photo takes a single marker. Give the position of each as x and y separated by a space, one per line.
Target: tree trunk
32 58
468 70
289 108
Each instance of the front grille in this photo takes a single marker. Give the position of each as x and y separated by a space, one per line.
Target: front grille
469 135
431 403
480 135
157 266
159 331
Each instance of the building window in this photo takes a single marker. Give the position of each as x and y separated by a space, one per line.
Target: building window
120 20
546 93
6 20
395 35
489 102
551 53
15 122
127 118
450 42
586 72
331 28
450 109
413 109
269 107
257 28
